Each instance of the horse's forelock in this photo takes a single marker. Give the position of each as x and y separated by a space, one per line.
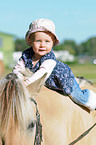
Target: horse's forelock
13 102
7 92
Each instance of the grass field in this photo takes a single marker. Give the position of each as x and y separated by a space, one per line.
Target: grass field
86 70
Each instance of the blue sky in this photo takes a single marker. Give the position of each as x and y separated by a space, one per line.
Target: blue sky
75 20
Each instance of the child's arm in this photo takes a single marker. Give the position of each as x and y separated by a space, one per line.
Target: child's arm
46 67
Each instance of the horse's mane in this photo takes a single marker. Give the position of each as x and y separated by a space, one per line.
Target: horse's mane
15 104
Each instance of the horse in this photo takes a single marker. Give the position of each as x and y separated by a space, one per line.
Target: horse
18 119
63 121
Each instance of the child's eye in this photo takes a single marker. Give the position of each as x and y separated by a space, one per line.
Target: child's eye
47 41
38 41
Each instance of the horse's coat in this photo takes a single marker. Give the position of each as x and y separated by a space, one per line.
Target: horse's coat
63 121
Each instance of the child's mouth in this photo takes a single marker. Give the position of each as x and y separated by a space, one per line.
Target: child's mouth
42 49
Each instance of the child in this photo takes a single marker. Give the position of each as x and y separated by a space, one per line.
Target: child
39 58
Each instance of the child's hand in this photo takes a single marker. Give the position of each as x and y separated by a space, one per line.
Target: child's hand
20 67
21 71
25 82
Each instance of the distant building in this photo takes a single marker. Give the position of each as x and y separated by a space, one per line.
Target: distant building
7 47
16 56
64 56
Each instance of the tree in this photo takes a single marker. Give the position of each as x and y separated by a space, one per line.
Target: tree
88 47
69 45
20 45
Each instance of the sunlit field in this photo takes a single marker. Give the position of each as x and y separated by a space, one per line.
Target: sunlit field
86 70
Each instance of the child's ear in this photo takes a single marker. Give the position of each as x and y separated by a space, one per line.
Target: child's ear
29 40
54 40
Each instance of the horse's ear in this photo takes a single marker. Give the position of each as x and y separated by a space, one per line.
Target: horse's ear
36 86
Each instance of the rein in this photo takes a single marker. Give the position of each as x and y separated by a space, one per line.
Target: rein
38 136
82 135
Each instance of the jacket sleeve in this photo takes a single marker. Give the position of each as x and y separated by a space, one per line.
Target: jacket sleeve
46 67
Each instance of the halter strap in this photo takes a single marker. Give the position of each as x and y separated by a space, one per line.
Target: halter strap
38 136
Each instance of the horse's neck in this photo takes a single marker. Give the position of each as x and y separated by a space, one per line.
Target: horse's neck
51 102
59 114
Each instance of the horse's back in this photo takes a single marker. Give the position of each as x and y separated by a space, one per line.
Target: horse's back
63 120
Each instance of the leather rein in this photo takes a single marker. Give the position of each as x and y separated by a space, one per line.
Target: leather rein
82 135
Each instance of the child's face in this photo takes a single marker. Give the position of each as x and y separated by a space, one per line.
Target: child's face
42 43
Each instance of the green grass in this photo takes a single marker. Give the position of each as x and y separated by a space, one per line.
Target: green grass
86 70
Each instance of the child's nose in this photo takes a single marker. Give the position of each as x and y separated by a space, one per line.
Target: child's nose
42 44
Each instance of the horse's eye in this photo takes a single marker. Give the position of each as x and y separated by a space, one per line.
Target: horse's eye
31 125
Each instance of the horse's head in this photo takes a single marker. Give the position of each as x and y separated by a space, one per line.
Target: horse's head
17 113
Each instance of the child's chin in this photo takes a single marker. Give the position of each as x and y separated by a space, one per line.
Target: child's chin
42 53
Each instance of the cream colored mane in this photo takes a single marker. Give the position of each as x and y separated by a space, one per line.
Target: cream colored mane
15 104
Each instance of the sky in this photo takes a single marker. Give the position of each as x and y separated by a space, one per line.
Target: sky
74 20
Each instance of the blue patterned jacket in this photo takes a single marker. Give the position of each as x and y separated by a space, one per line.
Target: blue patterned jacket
61 78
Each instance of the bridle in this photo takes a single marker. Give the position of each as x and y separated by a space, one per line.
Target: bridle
38 135
82 135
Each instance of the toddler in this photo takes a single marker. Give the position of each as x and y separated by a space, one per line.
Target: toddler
39 58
